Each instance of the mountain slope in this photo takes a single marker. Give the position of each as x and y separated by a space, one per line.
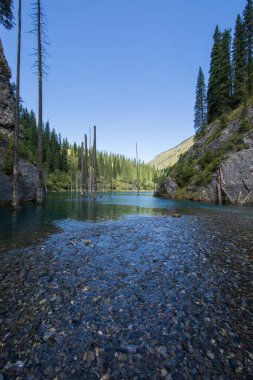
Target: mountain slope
171 156
219 166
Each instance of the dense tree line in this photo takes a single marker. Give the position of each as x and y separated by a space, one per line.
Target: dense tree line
62 161
230 81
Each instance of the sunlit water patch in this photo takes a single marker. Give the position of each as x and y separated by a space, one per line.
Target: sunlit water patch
31 222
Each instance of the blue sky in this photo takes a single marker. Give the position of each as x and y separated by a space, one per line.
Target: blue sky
127 66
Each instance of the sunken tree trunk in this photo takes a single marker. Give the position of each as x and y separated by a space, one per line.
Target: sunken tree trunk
17 118
138 171
94 177
40 188
86 165
82 170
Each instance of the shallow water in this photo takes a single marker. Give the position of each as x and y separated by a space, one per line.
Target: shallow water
124 291
31 222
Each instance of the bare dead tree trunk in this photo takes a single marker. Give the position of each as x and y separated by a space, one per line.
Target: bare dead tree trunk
138 172
104 180
94 185
86 165
82 171
90 165
40 188
17 118
76 180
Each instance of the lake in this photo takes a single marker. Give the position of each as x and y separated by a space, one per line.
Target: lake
31 222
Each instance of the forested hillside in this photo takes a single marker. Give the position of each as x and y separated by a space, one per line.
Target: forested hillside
230 82
62 161
218 167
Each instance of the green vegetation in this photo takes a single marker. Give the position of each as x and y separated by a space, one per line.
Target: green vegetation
231 71
62 161
6 14
200 109
229 93
197 167
170 157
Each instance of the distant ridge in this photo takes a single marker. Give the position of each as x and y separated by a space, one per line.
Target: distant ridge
171 156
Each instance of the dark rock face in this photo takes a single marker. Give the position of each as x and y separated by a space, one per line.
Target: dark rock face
171 187
7 100
27 183
28 173
233 181
5 188
238 176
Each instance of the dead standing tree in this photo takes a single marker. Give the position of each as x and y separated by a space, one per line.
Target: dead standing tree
94 177
82 170
138 170
17 116
86 165
41 70
89 166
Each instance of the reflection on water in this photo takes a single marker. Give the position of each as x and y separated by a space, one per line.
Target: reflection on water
31 222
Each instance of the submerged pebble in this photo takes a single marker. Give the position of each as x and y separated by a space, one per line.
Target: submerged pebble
154 299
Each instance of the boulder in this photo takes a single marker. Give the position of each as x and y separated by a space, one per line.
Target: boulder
27 183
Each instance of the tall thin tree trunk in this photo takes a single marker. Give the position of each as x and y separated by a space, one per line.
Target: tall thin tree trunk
17 118
90 165
86 165
40 189
138 172
104 180
94 184
82 170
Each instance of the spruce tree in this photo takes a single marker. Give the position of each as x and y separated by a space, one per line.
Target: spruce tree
248 21
6 14
225 73
239 63
213 93
200 109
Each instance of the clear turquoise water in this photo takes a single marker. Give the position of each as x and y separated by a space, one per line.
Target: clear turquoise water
31 222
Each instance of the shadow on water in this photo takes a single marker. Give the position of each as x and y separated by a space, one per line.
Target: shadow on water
31 222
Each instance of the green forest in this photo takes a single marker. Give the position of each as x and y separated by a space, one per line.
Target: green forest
230 83
62 161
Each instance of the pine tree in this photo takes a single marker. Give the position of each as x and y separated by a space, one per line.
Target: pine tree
200 109
225 73
239 63
213 93
6 14
248 21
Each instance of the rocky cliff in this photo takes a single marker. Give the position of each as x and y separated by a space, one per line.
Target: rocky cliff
28 174
219 166
7 100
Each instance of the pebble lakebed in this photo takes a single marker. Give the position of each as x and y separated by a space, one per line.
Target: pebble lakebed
146 297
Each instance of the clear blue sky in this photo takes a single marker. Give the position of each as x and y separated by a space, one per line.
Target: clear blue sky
128 66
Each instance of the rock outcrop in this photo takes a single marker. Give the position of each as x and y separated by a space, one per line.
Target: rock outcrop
28 173
7 100
226 149
27 183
